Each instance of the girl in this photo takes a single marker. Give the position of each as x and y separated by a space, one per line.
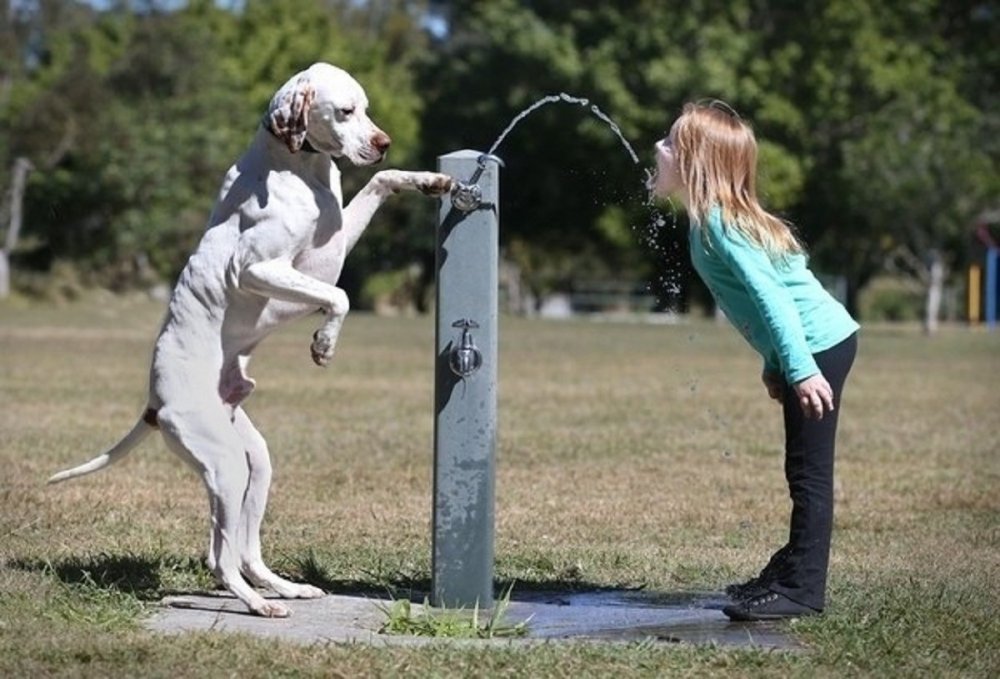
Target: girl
756 270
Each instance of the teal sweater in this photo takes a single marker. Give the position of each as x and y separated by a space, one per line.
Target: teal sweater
778 306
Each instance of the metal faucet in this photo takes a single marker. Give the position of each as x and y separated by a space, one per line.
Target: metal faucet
468 196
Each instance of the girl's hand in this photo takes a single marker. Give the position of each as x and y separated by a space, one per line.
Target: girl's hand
775 385
815 396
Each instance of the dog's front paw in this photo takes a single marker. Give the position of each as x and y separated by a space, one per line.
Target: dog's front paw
433 183
322 348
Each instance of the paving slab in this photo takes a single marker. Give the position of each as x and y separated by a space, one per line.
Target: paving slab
607 615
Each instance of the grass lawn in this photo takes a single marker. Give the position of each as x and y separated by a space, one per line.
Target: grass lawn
630 455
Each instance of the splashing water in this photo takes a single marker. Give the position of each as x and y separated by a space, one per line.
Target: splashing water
668 286
569 99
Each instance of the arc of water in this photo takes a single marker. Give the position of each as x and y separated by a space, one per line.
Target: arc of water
569 99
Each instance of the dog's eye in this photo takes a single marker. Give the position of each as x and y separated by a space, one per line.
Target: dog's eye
346 111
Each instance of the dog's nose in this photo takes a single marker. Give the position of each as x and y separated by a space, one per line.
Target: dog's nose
381 141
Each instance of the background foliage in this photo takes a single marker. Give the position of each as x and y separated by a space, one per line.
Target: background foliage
878 122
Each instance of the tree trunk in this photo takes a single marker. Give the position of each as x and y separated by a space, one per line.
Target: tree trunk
935 291
22 166
512 285
4 275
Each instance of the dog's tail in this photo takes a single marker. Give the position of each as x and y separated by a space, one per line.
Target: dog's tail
142 429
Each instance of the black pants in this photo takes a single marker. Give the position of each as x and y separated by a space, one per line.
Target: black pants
809 450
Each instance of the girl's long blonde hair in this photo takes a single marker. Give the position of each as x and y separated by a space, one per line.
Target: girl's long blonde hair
717 159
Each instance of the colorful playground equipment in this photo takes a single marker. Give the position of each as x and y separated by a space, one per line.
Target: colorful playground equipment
984 290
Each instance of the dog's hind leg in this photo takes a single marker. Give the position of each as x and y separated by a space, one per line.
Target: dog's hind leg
203 435
252 515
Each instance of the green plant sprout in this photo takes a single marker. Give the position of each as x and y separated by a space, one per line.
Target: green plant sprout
456 623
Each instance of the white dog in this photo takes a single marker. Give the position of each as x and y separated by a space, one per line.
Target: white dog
273 251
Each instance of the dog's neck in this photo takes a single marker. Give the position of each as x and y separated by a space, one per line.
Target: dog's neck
309 148
306 146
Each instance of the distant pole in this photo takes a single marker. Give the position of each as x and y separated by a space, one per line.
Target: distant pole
465 390
991 287
975 282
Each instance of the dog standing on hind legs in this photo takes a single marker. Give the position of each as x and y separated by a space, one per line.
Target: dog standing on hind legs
273 252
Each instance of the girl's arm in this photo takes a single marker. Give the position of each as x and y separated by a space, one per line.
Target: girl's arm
755 270
758 274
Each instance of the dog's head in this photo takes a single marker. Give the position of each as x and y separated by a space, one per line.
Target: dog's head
328 108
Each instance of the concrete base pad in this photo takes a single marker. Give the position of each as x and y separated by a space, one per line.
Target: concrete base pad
598 616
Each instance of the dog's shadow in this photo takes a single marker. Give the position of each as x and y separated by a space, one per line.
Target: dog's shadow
140 576
151 577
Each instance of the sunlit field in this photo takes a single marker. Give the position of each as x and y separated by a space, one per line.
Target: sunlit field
629 454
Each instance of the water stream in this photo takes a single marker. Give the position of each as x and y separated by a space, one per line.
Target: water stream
569 99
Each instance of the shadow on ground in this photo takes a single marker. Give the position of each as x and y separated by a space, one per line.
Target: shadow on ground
149 577
138 575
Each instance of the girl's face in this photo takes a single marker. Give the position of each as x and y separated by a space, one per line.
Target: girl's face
667 181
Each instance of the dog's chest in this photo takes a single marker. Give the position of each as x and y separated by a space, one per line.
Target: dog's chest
329 218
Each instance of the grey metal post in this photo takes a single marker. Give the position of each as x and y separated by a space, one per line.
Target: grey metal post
465 390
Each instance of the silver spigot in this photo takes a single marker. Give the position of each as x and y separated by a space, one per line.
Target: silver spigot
465 359
468 196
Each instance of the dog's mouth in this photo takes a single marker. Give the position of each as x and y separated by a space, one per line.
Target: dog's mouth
373 157
366 156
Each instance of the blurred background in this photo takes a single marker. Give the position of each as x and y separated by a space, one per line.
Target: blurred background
878 123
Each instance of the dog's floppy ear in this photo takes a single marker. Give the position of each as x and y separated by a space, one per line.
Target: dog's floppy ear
288 115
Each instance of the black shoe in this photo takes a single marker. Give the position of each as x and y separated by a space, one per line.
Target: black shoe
767 606
759 584
753 587
741 590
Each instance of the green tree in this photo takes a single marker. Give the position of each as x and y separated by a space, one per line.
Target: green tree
920 172
160 102
883 88
130 199
39 128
